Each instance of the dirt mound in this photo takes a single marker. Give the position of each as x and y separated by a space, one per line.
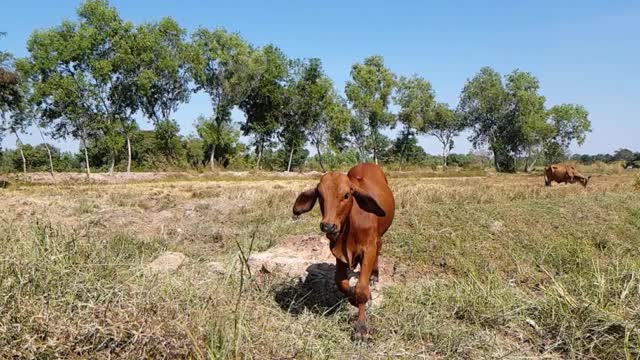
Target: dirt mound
293 256
166 262
309 259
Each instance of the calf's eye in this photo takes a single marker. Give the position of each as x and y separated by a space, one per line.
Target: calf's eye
346 196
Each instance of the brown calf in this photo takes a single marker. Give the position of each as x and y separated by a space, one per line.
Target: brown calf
564 174
354 228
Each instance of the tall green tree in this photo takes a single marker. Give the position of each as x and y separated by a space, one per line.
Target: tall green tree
527 113
568 123
32 110
296 115
625 155
11 95
220 140
416 98
484 106
78 75
13 117
221 65
265 102
405 148
511 118
162 81
313 112
369 92
327 130
444 124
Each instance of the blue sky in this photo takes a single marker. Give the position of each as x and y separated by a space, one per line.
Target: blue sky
585 52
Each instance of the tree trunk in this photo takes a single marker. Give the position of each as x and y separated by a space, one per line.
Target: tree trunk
112 162
444 156
374 135
319 156
260 147
495 159
24 160
48 150
290 157
50 160
526 161
128 153
533 162
86 153
375 151
212 158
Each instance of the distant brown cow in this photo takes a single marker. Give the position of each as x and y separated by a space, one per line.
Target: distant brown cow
564 174
354 228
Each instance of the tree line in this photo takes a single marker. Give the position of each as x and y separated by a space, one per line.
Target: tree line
88 79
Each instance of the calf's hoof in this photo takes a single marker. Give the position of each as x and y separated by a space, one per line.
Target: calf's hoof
362 331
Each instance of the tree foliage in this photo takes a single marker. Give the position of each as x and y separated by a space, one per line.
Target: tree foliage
89 78
264 104
369 92
512 120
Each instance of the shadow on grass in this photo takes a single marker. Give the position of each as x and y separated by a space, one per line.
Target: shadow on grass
317 293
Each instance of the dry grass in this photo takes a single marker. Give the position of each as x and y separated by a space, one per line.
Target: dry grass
499 266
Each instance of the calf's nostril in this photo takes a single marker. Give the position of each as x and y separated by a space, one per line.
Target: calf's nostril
327 228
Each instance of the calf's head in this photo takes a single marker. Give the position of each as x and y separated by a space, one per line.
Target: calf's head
336 193
584 180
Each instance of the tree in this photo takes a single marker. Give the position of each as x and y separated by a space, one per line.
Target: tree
358 136
569 123
12 102
313 111
79 74
421 114
194 151
299 105
509 117
265 101
220 64
527 114
17 123
369 92
328 128
223 137
162 81
483 104
405 148
415 96
625 155
444 124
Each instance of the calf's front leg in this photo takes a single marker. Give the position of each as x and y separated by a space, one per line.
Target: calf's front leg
361 293
342 280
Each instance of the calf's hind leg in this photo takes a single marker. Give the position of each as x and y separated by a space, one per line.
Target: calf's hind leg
375 274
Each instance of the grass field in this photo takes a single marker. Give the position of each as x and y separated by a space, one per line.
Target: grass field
493 266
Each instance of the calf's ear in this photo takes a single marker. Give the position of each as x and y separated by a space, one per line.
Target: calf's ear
367 202
305 201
